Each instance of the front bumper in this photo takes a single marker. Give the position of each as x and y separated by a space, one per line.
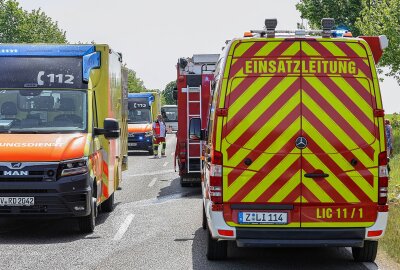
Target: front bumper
68 197
140 142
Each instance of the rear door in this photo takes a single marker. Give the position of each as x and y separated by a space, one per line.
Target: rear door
262 165
339 164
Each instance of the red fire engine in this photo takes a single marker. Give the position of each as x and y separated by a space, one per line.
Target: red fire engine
194 77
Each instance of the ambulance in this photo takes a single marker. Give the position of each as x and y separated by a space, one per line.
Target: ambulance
143 111
63 131
295 146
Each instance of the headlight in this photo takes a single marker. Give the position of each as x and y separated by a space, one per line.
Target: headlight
148 133
73 167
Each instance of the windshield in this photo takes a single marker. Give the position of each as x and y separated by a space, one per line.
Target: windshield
42 111
170 114
139 116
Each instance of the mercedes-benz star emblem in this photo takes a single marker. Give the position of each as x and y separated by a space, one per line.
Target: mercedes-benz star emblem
301 142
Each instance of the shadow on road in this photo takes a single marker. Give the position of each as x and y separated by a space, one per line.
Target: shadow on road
274 258
174 190
45 231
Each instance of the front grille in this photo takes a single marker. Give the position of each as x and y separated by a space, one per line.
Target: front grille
28 179
19 191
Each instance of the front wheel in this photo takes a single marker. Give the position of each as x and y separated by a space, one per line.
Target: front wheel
367 253
87 223
108 205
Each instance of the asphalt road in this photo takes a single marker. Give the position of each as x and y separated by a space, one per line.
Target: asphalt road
156 225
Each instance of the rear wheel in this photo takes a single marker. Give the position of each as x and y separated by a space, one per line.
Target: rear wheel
367 253
204 224
216 250
87 223
108 205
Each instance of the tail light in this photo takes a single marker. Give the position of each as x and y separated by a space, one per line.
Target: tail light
383 179
216 181
182 150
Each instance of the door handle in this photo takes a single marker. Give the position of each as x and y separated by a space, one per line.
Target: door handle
316 175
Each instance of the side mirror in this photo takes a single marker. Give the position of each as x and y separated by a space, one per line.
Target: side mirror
195 129
110 130
175 93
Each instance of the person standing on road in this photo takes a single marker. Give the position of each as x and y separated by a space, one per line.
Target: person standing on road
160 132
389 137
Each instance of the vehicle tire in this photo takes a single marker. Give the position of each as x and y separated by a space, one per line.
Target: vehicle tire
108 205
216 250
183 183
204 223
367 253
87 223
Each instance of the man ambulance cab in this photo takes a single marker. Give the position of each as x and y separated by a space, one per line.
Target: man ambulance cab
295 148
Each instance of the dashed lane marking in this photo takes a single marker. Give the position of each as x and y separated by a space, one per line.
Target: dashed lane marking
165 164
152 173
153 181
124 227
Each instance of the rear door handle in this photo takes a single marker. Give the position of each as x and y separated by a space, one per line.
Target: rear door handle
316 175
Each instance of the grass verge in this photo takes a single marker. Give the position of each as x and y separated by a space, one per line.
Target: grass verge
390 243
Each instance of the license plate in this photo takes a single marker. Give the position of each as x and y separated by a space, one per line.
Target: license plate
132 144
263 218
17 201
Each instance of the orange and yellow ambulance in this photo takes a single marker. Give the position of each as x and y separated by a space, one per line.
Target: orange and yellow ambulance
295 146
63 130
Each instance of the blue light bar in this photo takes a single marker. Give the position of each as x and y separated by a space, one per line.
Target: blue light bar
149 96
45 50
90 61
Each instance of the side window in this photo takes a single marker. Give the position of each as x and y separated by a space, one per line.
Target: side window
214 95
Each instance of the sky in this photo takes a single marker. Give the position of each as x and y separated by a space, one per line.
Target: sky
152 35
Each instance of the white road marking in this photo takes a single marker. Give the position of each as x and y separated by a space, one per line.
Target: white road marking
152 173
153 181
165 164
123 228
173 153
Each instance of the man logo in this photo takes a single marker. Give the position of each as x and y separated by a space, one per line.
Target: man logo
301 142
16 173
16 165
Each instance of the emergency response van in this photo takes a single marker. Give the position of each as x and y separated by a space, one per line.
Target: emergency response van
295 146
63 130
143 111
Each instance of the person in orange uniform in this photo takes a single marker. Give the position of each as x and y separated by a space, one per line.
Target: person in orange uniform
160 132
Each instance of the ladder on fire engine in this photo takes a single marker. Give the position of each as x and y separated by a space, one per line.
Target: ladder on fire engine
190 142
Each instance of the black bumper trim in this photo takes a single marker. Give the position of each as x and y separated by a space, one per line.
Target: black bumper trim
300 237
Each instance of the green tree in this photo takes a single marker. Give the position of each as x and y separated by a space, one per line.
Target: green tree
19 26
383 18
168 93
345 12
135 84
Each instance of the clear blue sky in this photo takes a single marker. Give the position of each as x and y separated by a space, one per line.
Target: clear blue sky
152 35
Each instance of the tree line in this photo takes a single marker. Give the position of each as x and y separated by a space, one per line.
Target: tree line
362 17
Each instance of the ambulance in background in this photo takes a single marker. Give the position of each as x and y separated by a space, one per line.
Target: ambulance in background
194 76
63 130
143 110
170 117
295 143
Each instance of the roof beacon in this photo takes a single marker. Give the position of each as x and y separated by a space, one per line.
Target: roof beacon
270 25
327 25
